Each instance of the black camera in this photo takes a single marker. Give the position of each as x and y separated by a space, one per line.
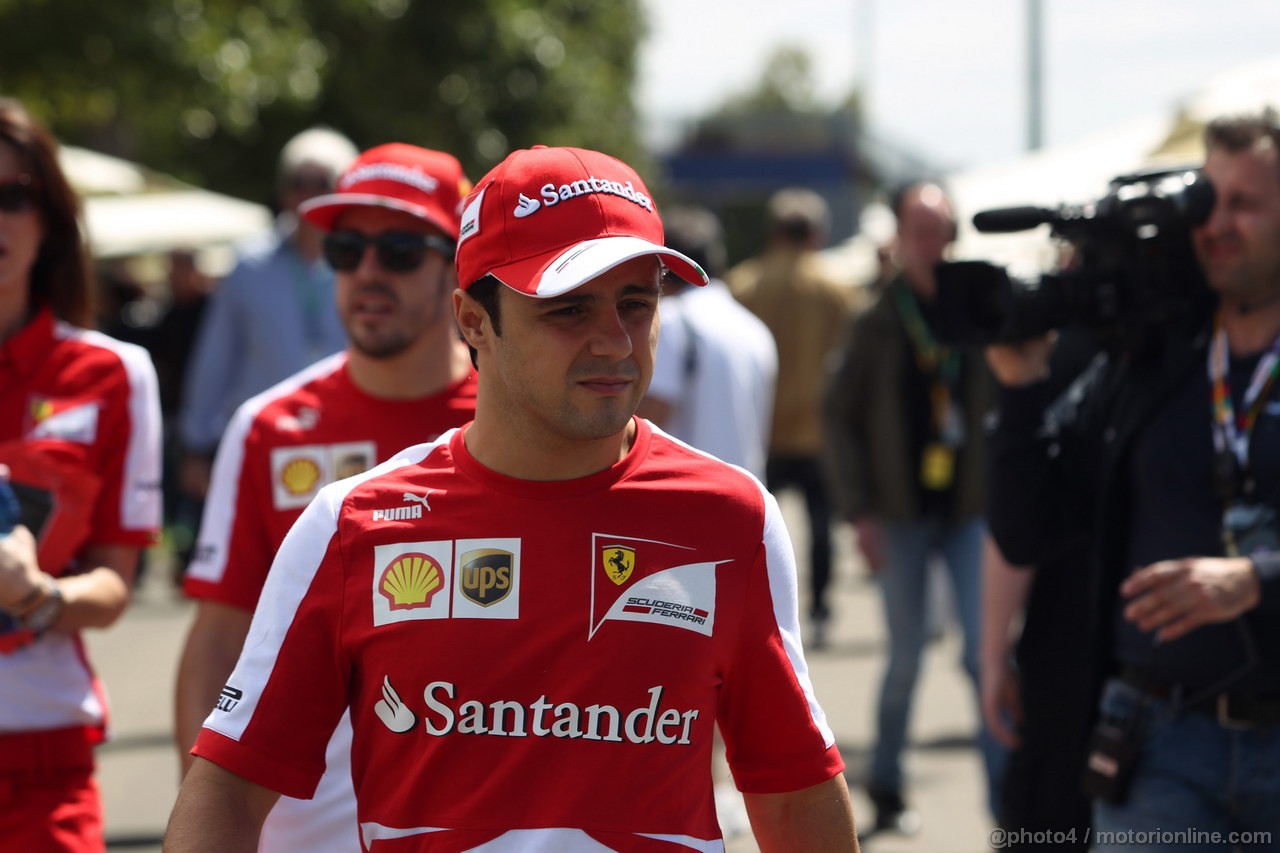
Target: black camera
1132 266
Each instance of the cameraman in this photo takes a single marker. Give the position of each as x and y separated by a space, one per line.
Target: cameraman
1168 460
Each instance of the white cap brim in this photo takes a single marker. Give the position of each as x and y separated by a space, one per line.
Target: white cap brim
544 277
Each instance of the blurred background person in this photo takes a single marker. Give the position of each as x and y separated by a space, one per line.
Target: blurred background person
905 429
170 342
80 433
390 231
806 310
717 365
271 316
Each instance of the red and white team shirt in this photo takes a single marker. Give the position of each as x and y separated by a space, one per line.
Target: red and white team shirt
279 450
80 414
537 662
286 444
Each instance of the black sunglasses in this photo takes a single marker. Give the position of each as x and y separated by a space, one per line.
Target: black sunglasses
17 195
314 184
398 251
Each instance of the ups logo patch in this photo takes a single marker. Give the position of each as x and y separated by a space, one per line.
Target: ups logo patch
485 575
619 562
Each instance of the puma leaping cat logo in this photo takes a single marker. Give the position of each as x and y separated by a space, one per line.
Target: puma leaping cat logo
421 499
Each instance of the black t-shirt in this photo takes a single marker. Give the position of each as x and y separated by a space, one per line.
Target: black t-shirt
1175 512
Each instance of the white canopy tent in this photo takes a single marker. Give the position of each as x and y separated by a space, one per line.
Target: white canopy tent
130 210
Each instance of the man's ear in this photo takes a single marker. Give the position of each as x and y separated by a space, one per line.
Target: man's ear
472 319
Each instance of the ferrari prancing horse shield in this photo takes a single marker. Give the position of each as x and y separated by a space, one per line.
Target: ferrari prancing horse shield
619 561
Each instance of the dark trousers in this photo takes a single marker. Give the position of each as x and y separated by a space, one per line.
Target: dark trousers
806 474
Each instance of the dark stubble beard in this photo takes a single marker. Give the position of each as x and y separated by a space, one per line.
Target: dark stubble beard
391 346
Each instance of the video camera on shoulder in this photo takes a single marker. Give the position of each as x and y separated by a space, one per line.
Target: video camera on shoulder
1133 266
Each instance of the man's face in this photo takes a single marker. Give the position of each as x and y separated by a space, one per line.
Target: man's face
385 311
576 366
1239 245
924 232
307 181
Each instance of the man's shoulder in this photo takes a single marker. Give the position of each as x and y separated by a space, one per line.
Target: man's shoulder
814 274
728 323
742 274
256 254
419 469
682 467
92 345
285 406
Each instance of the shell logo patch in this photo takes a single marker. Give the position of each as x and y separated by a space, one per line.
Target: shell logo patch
411 581
300 476
619 562
299 472
406 579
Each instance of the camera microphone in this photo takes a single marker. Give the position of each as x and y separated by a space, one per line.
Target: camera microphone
1008 219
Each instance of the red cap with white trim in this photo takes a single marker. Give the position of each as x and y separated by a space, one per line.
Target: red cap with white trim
547 220
428 184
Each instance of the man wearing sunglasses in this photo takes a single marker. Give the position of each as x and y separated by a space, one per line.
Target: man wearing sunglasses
537 661
405 377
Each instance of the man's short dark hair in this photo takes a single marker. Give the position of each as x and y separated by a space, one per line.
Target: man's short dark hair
798 215
1236 133
696 233
898 197
485 291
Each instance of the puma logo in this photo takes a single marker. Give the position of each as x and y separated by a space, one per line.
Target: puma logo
421 499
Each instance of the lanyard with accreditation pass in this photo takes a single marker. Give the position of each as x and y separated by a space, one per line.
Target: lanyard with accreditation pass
1249 526
942 365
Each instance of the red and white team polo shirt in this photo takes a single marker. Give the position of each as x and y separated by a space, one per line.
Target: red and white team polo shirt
537 662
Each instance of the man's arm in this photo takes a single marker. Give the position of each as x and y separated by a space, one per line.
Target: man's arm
1173 597
845 401
218 811
817 819
1004 596
92 599
213 645
1027 475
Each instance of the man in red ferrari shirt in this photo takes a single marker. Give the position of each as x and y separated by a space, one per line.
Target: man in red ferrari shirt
535 620
391 226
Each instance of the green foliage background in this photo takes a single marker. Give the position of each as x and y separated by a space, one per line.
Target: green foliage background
209 90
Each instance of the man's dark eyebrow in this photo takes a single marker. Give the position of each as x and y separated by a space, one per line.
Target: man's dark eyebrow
573 297
649 289
570 298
